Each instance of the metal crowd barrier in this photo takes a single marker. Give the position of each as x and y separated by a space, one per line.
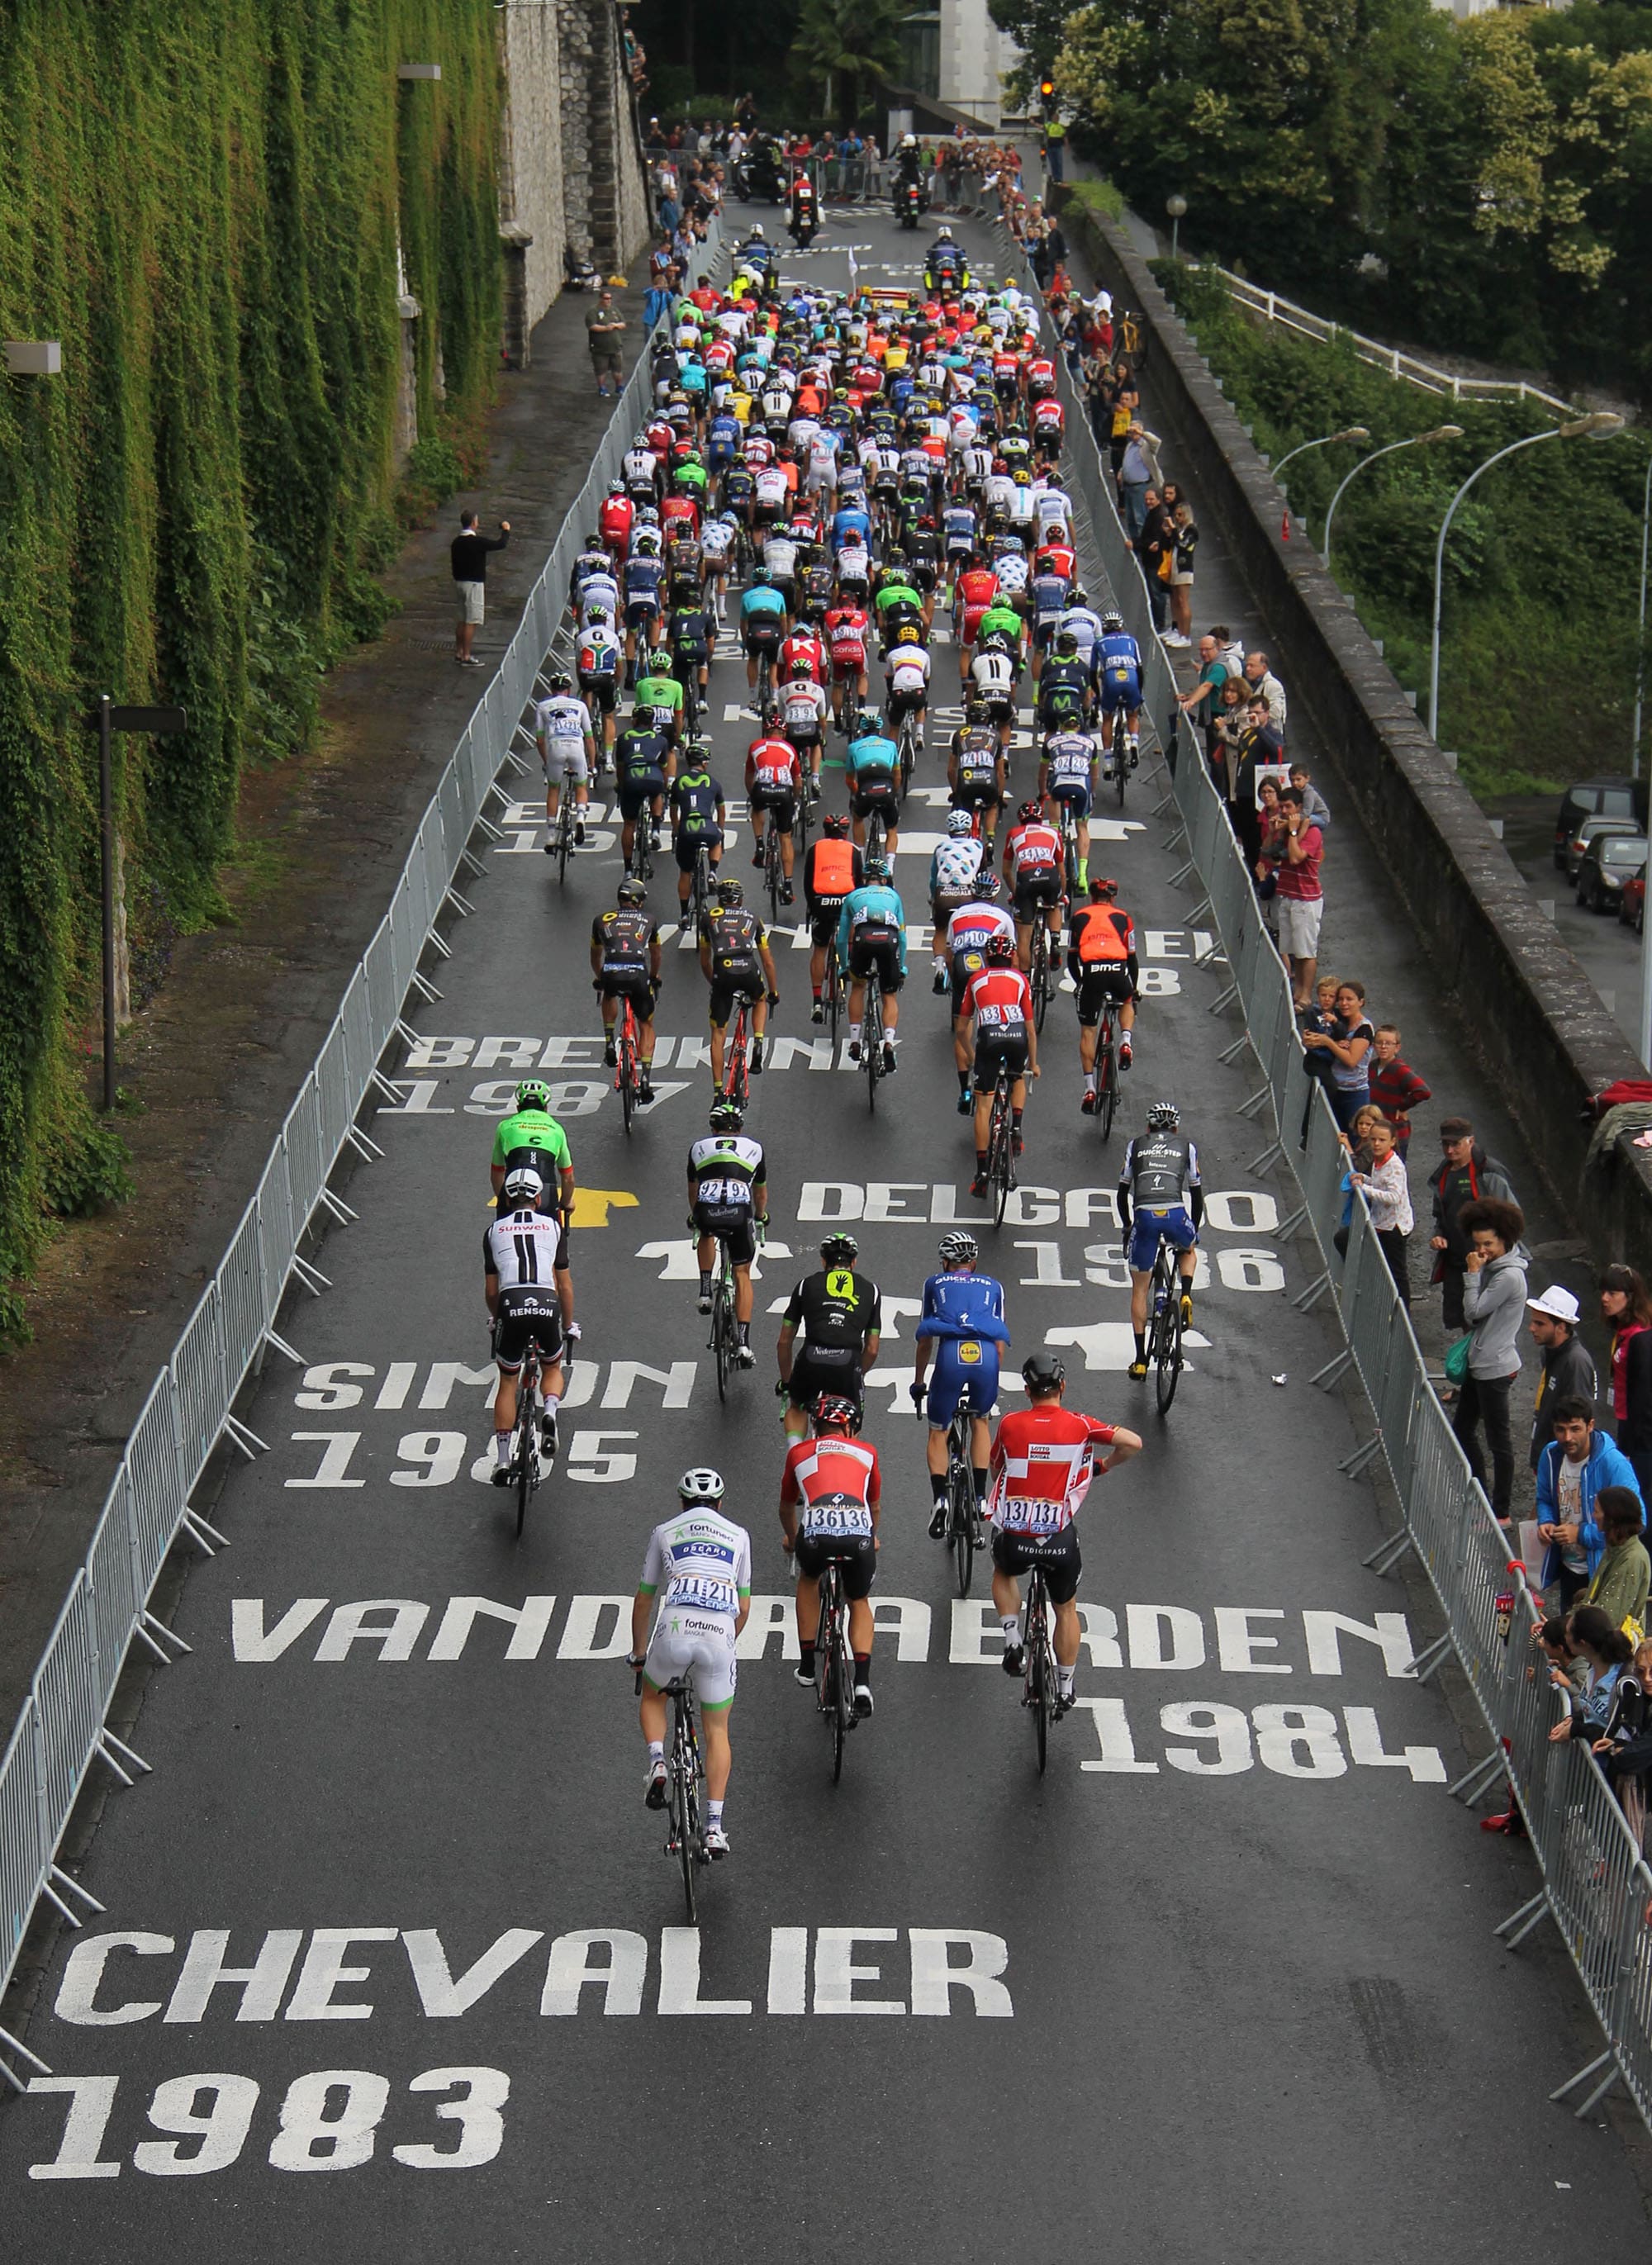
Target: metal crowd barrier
1594 1882
63 1727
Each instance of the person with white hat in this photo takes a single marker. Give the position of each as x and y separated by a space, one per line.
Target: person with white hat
1567 1369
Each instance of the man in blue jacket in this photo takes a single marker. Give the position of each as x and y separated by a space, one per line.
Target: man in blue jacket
1576 1465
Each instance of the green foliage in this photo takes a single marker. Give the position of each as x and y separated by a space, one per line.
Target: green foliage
1537 654
202 203
843 42
1480 185
1098 196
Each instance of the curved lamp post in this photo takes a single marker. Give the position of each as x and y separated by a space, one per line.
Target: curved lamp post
1416 441
1326 441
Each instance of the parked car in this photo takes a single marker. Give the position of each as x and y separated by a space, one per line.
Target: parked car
1596 797
1587 830
1632 901
1610 859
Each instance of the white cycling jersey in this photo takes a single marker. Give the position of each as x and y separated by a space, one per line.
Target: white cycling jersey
523 1249
958 862
1012 574
993 675
698 1561
561 719
908 668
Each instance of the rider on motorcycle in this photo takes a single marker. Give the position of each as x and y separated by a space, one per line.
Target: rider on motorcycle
805 216
945 264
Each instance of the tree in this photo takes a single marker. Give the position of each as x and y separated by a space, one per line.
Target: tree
840 42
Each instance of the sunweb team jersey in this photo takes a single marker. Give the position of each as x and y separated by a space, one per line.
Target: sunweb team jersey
523 1249
703 1562
1042 1465
833 1483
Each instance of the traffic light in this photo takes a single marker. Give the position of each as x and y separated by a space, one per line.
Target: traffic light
1046 91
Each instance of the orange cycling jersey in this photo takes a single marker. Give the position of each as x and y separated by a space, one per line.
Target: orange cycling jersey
833 868
1103 935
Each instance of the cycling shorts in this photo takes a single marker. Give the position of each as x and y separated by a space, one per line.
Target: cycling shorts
1044 631
782 800
640 611
601 692
1107 981
855 1553
694 653
825 913
977 794
1115 696
848 665
565 759
636 794
1061 710
1148 1228
876 790
994 1046
685 847
734 1224
698 1645
966 963
902 704
1014 1552
816 1369
1033 889
762 633
1075 792
965 1374
879 956
742 980
805 732
527 1314
630 982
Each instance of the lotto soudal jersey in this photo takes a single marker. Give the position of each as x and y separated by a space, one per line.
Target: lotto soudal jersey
523 1249
1042 1464
1158 1168
1034 849
833 1483
701 1560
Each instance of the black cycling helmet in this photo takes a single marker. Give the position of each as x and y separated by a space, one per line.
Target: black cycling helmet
836 827
1043 1373
839 1249
834 1412
1102 885
631 891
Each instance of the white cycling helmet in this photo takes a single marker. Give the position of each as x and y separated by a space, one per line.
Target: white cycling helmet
523 1188
700 1485
959 823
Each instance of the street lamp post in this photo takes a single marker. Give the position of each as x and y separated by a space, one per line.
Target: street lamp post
1416 441
1599 426
1326 441
1176 207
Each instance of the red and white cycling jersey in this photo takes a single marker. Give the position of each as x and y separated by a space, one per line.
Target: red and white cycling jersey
999 999
615 520
971 924
1048 417
847 627
805 645
758 451
1042 1467
802 705
771 765
1034 849
833 1483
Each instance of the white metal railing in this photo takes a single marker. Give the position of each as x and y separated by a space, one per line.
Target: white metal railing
63 1727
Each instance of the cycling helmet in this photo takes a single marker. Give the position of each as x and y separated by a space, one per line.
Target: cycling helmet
659 661
701 1486
726 1116
1042 1372
597 618
631 891
959 823
877 871
960 1249
593 541
1112 622
1000 949
757 235
839 1249
533 1093
975 709
871 720
1030 812
1101 886
800 666
523 1188
833 1412
760 578
1076 595
616 487
560 682
943 234
836 827
985 884
731 893
1163 1117
1067 644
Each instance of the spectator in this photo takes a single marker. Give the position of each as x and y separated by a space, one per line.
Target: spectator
1185 543
469 555
603 325
1386 1191
1126 401
1607 1651
1465 1175
1494 1299
1228 744
1321 1017
1625 1753
1348 1044
1568 1372
1206 691
1576 1467
1155 548
1314 802
1624 1575
1395 1086
1627 1311
1260 678
1301 899
1137 470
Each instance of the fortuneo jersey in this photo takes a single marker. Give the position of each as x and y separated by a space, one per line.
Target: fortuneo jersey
702 1562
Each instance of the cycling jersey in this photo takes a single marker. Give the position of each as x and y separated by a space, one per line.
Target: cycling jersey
660 698
833 1483
870 756
1049 600
834 1312
963 1317
728 1172
803 705
1034 849
703 1562
1118 670
563 724
1042 1463
1069 758
873 913
955 866
624 935
523 1248
846 628
1159 1170
803 644
830 870
971 924
695 798
908 669
1103 935
643 578
597 655
762 606
534 1130
1001 621
994 675
771 766
1086 631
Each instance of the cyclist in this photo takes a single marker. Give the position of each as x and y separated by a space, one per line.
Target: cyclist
1032 869
1118 666
963 1321
872 765
716 555
975 587
530 1295
692 635
645 574
1064 688
802 713
967 934
643 766
704 1563
833 866
1043 1459
992 685
762 624
728 1203
627 962
597 657
997 1002
1066 772
774 781
977 769
567 749
955 872
906 676
530 1137
1086 625
737 962
659 695
831 1492
847 626
840 1315
1103 962
698 814
1159 1182
872 940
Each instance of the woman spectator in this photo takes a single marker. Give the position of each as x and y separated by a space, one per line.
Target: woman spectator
1268 817
1155 547
1185 543
1627 1310
1493 1305
1606 1651
1228 730
1349 1047
1623 1574
1625 1752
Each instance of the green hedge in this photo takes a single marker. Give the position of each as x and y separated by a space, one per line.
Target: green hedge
201 201
1542 565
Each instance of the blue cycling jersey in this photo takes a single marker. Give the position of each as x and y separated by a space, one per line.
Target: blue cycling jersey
850 522
874 753
763 598
964 1304
722 439
1119 668
873 904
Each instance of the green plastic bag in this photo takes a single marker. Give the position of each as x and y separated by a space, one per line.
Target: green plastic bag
1457 1359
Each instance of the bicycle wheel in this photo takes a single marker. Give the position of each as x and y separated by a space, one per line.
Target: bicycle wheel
1040 1672
1106 1083
835 994
683 1813
872 1042
771 870
524 1454
628 1067
1168 1360
1040 974
1000 1159
961 1495
908 756
843 1689
735 1084
1121 764
875 835
721 1316
564 837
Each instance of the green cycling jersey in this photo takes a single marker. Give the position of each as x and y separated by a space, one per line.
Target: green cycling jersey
532 1128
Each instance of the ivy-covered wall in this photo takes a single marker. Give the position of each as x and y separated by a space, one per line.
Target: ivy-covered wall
202 202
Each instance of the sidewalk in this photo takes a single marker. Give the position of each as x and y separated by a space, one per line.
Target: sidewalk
214 1062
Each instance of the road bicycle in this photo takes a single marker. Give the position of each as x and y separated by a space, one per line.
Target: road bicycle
835 1663
774 868
561 843
725 1340
1038 1677
766 707
872 1035
1164 1325
908 746
1041 975
699 888
877 834
1000 1159
528 1464
628 1072
833 995
963 1533
1067 826
693 698
685 1779
737 1087
1118 754
1106 1071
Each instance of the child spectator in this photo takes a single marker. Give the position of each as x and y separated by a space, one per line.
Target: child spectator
1395 1086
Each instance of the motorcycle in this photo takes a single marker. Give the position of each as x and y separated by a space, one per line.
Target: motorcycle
805 226
908 203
